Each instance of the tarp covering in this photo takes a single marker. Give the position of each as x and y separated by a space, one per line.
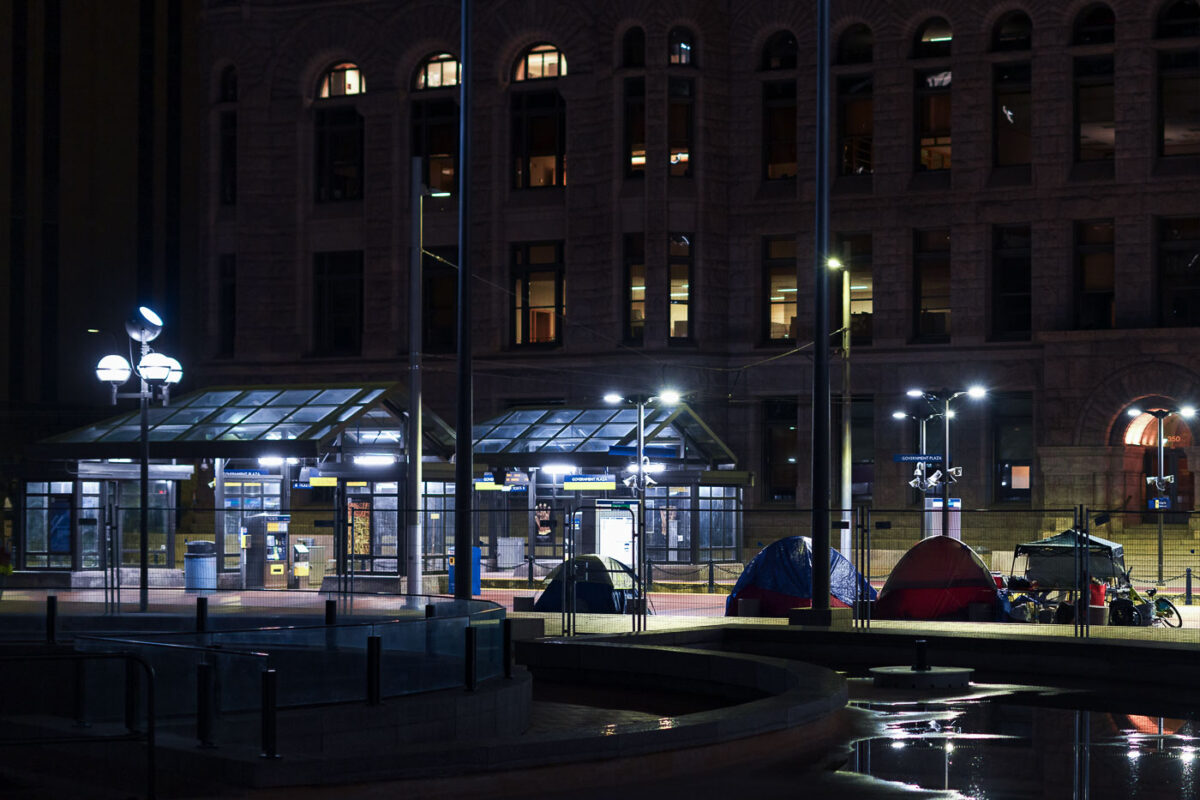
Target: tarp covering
780 578
938 578
1051 562
603 585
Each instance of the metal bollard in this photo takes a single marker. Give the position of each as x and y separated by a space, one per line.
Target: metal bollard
201 614
430 611
506 632
269 729
204 705
374 659
51 619
1188 588
922 662
470 677
331 612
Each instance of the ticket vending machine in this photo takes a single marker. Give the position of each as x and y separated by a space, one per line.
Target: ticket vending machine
266 553
300 565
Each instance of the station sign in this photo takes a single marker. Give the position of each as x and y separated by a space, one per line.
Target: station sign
908 458
590 483
1160 503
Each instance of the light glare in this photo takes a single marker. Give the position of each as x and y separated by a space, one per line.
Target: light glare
915 393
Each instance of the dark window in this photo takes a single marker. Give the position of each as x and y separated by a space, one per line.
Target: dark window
1095 119
855 255
779 129
679 267
1095 281
681 47
931 272
1012 275
337 303
933 39
1095 25
1013 446
339 155
1011 115
228 158
439 286
1179 103
933 119
229 86
633 48
226 304
779 274
342 80
856 125
539 139
862 449
856 45
780 51
780 446
437 72
1014 31
635 126
435 142
1181 18
537 293
1179 271
542 61
680 113
635 288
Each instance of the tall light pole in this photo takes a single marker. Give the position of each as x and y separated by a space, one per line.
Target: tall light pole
940 403
847 499
1162 479
464 447
641 476
156 372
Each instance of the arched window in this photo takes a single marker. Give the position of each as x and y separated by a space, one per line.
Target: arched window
229 88
780 51
1095 25
540 61
681 47
1013 31
856 45
437 72
1181 18
933 39
342 80
633 48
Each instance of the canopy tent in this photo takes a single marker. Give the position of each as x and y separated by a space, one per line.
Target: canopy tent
603 585
1052 562
780 578
938 578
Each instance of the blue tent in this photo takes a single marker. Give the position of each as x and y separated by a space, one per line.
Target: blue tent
780 578
602 586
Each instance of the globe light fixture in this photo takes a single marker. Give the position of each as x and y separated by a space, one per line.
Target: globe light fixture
113 369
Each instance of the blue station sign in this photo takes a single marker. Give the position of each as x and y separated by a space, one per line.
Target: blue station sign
908 458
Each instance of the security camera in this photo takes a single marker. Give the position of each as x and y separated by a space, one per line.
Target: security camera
933 479
629 482
955 472
915 483
920 470
1150 481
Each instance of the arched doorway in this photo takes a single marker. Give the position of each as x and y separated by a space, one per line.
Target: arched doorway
1142 431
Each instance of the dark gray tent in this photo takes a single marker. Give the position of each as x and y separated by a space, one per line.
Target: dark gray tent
1052 562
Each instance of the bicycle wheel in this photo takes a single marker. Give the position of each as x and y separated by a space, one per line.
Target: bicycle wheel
1166 611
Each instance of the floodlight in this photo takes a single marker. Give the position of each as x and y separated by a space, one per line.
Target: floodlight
899 415
375 460
1134 412
613 397
113 369
915 393
976 392
1187 412
668 397
144 326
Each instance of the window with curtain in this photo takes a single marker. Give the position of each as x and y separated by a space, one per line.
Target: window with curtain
537 293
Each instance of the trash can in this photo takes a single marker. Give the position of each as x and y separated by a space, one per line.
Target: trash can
476 556
200 566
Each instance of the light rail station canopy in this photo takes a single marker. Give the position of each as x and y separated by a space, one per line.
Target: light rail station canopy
599 436
255 421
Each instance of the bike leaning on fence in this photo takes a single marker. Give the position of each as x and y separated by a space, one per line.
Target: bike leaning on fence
1128 607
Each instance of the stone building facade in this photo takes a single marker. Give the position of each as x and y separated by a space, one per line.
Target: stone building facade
1015 193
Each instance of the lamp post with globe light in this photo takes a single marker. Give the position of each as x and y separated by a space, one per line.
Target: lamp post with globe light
157 372
940 403
1162 480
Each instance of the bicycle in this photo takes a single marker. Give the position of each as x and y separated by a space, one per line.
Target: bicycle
1128 607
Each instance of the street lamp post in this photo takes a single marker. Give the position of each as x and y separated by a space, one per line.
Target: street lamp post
1162 480
641 478
156 373
940 403
847 498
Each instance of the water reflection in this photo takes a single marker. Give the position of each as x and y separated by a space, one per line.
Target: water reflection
996 743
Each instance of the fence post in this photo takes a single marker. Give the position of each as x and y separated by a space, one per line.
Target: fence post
204 705
649 576
201 614
374 658
1188 587
470 676
269 730
51 619
712 584
506 632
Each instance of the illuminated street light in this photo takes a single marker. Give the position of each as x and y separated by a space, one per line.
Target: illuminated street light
940 402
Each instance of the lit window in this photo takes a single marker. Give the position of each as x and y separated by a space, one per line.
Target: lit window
437 72
931 271
856 252
933 39
779 272
680 126
779 129
537 293
1179 19
635 126
539 62
780 51
1012 109
933 119
1095 117
856 45
679 265
1014 31
1013 445
1095 281
435 141
681 47
342 80
1179 103
635 283
1095 25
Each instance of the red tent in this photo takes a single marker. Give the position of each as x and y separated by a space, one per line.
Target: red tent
936 579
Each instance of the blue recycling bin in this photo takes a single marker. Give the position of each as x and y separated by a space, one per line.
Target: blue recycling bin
200 567
476 557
